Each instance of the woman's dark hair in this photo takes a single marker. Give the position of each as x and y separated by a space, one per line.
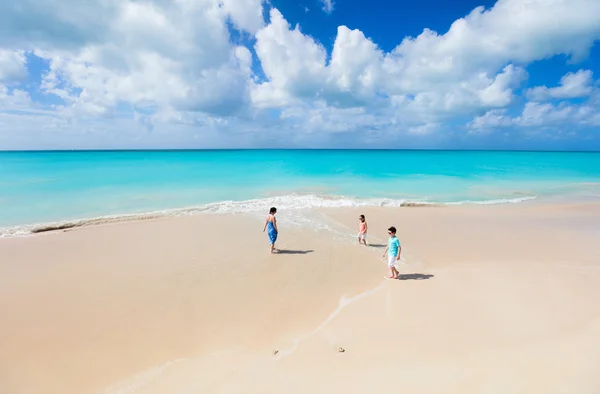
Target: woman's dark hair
272 210
362 216
392 230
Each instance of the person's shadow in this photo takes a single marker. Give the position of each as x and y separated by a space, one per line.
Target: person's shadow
287 251
414 276
377 245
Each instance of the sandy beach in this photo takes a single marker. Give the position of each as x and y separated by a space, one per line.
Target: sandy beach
491 299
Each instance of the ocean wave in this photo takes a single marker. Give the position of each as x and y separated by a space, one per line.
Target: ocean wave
287 202
493 202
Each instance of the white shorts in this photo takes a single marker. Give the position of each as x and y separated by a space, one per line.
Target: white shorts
392 261
362 236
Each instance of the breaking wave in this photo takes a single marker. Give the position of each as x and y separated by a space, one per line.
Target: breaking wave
288 202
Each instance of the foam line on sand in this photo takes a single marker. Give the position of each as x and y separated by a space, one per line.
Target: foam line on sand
344 302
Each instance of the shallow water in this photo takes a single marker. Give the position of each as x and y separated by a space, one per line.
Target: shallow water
46 187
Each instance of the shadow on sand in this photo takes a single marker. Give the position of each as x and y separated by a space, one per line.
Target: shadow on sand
377 245
284 251
414 276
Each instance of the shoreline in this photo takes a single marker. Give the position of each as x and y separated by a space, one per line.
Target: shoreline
254 206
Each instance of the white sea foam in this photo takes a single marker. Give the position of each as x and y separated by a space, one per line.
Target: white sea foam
493 202
343 303
292 202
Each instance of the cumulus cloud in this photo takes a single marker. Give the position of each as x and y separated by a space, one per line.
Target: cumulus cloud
293 63
499 93
12 66
572 85
540 115
491 120
476 65
14 100
185 63
170 54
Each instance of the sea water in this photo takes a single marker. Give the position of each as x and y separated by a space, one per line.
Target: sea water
51 187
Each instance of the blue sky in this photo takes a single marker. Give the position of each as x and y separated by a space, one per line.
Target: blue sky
317 73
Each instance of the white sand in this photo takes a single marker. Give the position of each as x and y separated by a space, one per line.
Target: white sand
496 299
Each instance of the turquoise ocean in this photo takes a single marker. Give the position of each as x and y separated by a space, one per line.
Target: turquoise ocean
44 189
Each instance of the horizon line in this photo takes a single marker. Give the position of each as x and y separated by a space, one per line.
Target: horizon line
291 149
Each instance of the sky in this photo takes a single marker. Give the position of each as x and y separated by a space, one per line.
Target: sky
426 74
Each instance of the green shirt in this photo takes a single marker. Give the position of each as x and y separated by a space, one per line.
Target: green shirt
393 246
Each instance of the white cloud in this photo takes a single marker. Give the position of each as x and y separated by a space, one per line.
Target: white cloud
12 66
499 93
327 6
57 23
167 54
485 41
476 65
572 85
322 118
246 14
164 62
493 119
14 100
72 24
540 115
546 114
426 128
355 66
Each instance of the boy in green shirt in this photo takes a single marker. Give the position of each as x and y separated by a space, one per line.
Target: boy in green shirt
393 250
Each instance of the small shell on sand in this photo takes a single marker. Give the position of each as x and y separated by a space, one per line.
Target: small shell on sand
341 350
275 352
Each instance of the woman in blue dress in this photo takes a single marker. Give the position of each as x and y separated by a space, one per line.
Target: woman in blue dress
271 228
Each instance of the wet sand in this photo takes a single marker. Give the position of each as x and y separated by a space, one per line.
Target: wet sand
491 299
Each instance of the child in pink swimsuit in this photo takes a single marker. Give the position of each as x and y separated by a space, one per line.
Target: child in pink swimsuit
362 230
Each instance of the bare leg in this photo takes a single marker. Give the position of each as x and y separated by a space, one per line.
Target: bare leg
392 276
395 272
365 242
272 248
358 238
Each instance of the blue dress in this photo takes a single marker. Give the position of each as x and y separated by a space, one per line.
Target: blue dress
272 232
